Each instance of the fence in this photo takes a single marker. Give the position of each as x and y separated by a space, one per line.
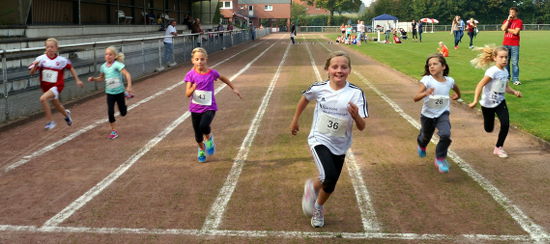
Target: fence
428 28
143 56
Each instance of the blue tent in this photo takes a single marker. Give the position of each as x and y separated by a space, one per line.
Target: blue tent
386 21
385 17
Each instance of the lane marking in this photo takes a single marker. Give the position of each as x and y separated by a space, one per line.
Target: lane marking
25 159
273 234
107 181
536 232
368 215
214 218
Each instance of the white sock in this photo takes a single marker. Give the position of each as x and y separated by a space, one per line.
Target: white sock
318 206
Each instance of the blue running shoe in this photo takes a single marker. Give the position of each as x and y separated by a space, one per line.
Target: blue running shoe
421 151
201 156
210 146
442 165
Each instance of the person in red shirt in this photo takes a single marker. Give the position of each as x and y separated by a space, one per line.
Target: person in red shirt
511 27
443 50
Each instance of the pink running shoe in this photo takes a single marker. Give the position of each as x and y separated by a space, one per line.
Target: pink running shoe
113 135
499 151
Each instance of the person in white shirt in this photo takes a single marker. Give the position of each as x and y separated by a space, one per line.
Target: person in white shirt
361 32
494 84
434 92
339 105
169 34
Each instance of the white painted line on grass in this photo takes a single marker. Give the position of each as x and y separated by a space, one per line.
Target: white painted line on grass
536 231
107 181
25 159
368 215
273 234
214 218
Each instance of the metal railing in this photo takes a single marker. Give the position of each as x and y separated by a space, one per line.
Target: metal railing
143 56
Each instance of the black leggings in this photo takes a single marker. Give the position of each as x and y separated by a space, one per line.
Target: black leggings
120 101
489 121
201 124
329 166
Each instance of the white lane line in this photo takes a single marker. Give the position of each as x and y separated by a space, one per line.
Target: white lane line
368 215
264 234
107 181
25 159
536 231
214 218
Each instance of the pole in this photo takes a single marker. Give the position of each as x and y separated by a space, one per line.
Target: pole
5 78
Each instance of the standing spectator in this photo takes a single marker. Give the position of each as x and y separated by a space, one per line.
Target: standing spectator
230 26
457 29
420 30
511 27
360 32
253 32
293 33
151 18
471 27
196 29
413 26
169 34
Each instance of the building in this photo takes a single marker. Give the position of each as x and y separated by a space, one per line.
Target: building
255 11
312 10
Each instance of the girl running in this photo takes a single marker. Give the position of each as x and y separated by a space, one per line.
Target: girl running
434 91
111 72
51 67
338 105
202 105
494 84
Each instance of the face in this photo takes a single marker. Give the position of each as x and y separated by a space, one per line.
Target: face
199 60
51 48
338 69
109 56
501 59
513 13
435 66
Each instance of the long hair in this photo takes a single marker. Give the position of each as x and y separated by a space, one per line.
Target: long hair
119 56
486 56
443 62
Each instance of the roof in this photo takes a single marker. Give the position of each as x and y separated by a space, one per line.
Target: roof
385 17
263 1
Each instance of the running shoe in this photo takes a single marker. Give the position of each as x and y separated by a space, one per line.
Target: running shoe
442 165
308 200
517 83
421 151
50 125
113 135
318 219
210 146
68 119
201 156
499 151
128 95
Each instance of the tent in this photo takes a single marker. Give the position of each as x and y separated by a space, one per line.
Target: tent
384 20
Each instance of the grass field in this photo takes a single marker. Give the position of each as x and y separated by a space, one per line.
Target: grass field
530 113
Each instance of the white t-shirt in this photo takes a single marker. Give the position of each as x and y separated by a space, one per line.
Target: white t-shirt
168 33
437 103
360 28
493 91
332 123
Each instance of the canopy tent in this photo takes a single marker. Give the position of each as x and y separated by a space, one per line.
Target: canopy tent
384 20
430 20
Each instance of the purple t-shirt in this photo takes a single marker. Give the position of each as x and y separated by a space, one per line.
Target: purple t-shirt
203 97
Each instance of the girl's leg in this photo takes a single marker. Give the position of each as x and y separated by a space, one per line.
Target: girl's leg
44 100
503 116
488 118
206 120
330 167
471 35
111 99
444 131
121 102
426 131
59 107
196 120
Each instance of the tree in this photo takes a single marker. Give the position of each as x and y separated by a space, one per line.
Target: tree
335 5
297 13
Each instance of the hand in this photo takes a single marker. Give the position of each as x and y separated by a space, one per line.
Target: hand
473 104
294 128
237 93
129 89
429 91
455 96
518 94
79 83
90 79
353 110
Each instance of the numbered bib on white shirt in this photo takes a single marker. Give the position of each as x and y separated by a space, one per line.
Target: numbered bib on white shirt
202 97
331 126
113 83
49 75
499 86
438 102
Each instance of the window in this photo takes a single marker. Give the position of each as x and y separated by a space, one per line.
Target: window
227 5
268 8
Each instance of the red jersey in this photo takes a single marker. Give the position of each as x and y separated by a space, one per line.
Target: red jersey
51 71
509 38
444 51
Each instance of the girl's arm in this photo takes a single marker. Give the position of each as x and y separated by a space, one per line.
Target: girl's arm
128 78
294 127
422 92
100 78
34 67
75 76
477 92
230 84
354 112
190 88
457 92
512 91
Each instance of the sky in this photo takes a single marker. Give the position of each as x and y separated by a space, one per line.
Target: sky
367 2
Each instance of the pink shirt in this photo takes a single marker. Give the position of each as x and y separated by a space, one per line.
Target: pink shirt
203 98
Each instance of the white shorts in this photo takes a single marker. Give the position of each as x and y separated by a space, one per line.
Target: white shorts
55 92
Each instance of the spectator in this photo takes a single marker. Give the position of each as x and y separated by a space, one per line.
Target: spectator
169 34
188 21
151 17
413 26
253 32
511 27
420 30
443 50
293 33
457 29
196 26
230 26
360 32
471 27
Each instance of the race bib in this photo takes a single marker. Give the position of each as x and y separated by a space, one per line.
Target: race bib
499 86
113 83
202 97
49 76
438 102
331 126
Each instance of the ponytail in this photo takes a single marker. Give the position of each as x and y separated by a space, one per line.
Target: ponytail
486 56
